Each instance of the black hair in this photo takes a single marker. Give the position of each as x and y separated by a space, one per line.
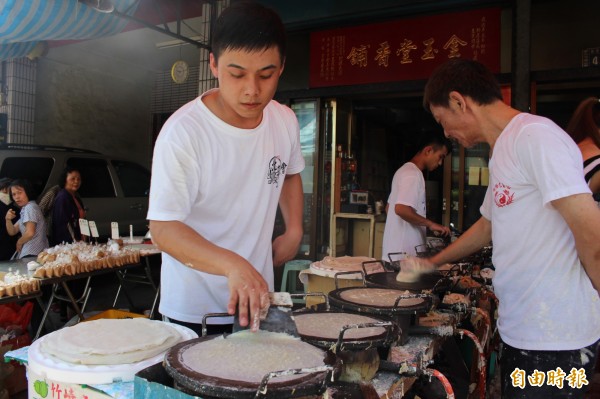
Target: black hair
468 77
26 186
248 26
62 180
585 121
434 138
5 182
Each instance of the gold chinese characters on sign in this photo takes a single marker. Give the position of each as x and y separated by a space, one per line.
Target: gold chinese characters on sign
404 49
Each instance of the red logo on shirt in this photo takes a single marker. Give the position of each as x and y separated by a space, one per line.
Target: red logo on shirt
503 195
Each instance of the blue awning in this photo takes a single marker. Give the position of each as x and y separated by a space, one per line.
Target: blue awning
24 23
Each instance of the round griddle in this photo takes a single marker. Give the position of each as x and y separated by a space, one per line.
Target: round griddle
388 280
384 339
383 275
336 300
404 316
198 384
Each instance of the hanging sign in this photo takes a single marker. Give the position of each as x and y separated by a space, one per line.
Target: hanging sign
406 49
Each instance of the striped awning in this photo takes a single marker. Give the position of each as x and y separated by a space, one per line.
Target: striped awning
24 23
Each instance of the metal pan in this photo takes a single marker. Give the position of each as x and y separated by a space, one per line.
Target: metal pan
308 381
387 279
337 299
404 316
344 340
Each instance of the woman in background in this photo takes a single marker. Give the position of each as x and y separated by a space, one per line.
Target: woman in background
66 212
8 244
584 128
31 223
68 209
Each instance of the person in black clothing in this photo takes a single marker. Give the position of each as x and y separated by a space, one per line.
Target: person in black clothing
66 212
67 209
584 129
8 243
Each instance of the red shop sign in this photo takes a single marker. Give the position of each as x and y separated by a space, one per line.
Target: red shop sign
406 49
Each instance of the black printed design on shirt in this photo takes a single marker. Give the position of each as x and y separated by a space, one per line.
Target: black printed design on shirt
276 169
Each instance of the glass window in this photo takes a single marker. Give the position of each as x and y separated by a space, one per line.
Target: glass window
95 178
306 112
36 170
470 178
135 179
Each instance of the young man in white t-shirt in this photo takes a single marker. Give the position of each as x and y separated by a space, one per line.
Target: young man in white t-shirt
406 221
222 164
542 220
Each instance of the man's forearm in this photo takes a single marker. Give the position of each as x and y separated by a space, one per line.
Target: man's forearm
291 203
475 238
408 214
190 248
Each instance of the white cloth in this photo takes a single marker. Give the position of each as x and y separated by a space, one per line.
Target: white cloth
31 213
224 182
547 301
408 188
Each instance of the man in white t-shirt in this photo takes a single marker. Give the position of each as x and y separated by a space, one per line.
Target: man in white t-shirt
406 222
222 164
542 220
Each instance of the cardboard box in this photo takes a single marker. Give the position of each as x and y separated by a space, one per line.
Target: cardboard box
316 283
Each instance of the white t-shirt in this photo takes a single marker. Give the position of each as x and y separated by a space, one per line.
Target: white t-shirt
408 188
31 213
547 301
224 182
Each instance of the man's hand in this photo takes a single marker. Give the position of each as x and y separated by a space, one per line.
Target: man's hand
410 215
412 268
246 285
247 291
438 229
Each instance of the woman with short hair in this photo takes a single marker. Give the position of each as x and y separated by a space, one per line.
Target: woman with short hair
31 223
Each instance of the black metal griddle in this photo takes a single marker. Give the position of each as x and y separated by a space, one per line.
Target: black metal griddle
404 316
344 342
387 278
192 382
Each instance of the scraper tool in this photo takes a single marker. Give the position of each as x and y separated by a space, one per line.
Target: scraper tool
276 318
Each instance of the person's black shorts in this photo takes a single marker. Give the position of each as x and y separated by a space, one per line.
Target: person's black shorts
546 374
211 329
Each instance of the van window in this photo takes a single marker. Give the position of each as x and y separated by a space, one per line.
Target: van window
135 179
95 178
35 169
